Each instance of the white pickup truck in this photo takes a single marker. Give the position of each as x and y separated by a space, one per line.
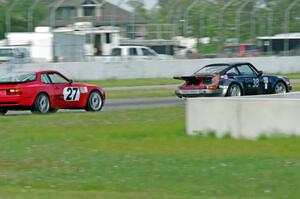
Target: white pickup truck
136 53
14 54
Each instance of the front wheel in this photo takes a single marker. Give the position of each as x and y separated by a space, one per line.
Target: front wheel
53 110
234 90
280 88
95 102
41 104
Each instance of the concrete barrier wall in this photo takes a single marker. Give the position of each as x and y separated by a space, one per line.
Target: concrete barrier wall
244 117
153 68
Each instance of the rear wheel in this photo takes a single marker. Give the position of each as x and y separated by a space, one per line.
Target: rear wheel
3 111
234 90
280 88
95 102
41 104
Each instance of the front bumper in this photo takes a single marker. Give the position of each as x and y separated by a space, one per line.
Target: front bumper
221 92
290 88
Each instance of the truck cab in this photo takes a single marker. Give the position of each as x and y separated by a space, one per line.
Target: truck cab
136 53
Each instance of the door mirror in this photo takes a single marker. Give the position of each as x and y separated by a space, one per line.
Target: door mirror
70 81
260 73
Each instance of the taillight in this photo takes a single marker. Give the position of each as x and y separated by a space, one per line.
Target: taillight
212 87
14 91
215 82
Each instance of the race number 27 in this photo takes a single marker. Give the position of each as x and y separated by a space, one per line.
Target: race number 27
71 94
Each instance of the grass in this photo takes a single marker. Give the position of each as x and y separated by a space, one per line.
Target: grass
296 86
135 82
138 93
138 154
293 75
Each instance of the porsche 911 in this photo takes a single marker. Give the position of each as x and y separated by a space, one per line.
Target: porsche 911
231 79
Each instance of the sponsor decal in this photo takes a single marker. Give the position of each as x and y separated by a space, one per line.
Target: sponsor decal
224 87
224 77
266 82
190 91
83 89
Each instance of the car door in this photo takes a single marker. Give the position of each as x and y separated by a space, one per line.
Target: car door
47 85
133 53
252 81
66 96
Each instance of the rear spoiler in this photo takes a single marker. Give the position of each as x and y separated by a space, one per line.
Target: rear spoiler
186 78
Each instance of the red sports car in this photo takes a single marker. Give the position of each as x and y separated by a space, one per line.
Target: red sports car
47 91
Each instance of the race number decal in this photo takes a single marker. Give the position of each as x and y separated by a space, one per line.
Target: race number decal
71 94
255 83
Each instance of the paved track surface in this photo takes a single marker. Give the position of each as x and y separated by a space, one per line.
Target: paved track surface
126 104
295 80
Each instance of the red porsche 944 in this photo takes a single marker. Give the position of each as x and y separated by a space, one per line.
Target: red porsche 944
47 91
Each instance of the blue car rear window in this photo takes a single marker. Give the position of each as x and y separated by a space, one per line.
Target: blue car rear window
211 69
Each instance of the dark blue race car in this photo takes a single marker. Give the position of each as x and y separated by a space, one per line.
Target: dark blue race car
231 79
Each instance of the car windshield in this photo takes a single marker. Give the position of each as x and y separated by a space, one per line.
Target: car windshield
17 77
212 69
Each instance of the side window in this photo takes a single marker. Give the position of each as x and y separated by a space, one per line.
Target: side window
245 70
108 38
45 79
147 52
116 52
232 72
133 52
57 79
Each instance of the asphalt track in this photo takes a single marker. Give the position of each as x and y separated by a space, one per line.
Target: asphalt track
125 104
148 103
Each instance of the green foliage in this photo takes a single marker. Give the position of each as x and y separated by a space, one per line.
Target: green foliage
207 13
135 82
19 15
138 7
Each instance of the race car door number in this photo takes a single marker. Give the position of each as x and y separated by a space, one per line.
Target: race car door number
71 94
255 83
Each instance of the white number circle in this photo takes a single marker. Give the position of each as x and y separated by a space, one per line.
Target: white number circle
71 94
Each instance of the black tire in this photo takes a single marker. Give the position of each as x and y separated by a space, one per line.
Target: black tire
234 90
53 110
3 111
280 88
95 102
41 104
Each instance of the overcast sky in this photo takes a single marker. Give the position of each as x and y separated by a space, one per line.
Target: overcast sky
149 3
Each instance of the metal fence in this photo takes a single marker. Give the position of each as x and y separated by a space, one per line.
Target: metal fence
227 21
